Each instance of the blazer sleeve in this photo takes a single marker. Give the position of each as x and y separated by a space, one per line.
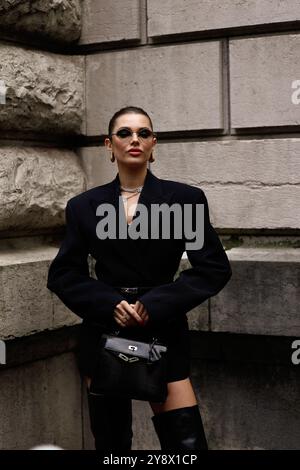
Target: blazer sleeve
209 273
69 278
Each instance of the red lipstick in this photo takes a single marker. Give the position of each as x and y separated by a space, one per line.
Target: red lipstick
134 151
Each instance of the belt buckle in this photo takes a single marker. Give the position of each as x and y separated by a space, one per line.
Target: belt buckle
130 290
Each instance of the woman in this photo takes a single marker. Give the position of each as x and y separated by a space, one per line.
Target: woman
134 290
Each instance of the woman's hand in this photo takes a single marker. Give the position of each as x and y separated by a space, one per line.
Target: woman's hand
127 315
142 311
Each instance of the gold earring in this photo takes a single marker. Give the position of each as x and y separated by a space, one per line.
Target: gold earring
151 159
112 158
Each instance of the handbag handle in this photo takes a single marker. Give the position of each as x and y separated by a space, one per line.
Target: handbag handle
154 338
151 345
151 349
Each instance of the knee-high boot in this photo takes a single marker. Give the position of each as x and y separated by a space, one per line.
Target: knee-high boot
111 422
180 429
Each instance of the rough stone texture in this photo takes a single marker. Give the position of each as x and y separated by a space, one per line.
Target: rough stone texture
178 85
241 178
106 21
186 16
35 185
58 20
248 406
40 403
26 305
256 301
262 71
46 93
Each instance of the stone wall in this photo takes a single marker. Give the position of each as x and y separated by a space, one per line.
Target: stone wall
51 20
41 115
221 87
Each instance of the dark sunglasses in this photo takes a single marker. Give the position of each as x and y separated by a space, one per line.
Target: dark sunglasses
125 133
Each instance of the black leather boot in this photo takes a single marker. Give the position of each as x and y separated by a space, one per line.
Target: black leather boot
180 429
111 422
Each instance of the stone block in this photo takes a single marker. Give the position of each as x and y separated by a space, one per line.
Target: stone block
40 403
241 178
35 185
26 305
248 406
255 301
45 96
106 21
263 73
191 16
97 166
179 86
57 20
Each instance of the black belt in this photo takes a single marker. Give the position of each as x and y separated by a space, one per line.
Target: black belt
133 290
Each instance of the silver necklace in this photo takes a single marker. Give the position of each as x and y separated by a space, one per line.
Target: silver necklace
125 198
132 190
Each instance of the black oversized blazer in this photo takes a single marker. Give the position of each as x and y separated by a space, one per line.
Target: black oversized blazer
141 262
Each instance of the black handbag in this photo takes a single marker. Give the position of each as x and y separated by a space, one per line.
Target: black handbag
130 368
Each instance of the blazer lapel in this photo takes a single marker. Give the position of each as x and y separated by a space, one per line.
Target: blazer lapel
152 193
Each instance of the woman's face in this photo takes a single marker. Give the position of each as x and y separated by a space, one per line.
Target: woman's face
121 147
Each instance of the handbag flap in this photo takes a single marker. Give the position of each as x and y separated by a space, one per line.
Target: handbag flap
151 351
